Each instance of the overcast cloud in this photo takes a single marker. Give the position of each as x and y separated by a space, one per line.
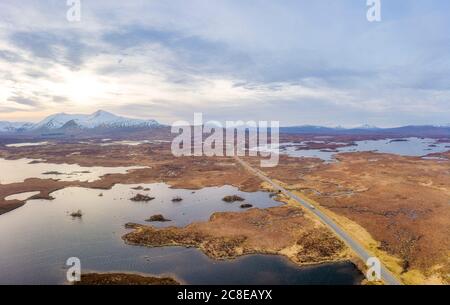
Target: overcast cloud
300 62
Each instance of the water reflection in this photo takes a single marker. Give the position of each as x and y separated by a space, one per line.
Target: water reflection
404 147
12 171
38 238
21 196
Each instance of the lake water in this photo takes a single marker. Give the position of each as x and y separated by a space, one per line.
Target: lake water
129 143
21 196
406 147
108 142
38 238
12 171
27 144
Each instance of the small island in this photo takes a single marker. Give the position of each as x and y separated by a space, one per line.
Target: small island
123 279
77 214
53 173
246 206
232 198
398 140
141 198
157 217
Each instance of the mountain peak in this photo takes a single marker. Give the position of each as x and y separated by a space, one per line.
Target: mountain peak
98 119
443 125
367 126
102 112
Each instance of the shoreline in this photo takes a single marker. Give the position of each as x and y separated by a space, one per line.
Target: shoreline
123 278
288 233
358 200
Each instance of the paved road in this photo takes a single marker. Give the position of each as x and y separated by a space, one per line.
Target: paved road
387 277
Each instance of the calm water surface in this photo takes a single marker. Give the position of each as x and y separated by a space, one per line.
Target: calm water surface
25 144
12 171
407 147
38 238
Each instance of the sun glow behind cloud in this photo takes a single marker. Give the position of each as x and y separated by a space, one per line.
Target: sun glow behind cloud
81 88
297 61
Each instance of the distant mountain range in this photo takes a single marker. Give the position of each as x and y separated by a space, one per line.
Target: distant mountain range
106 123
411 130
62 122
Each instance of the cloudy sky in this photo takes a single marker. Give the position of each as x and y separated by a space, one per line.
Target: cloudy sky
299 62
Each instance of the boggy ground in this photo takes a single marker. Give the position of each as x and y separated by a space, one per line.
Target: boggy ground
123 279
284 230
183 172
398 207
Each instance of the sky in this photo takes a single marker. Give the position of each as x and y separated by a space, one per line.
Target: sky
298 62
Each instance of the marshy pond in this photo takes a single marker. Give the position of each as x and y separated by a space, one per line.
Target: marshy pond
38 238
415 147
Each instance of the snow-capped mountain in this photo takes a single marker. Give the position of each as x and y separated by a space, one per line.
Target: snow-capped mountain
367 127
14 126
413 130
443 125
98 119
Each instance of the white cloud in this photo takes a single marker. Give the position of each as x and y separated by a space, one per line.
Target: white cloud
296 61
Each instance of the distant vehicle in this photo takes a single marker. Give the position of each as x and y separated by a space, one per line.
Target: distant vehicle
312 207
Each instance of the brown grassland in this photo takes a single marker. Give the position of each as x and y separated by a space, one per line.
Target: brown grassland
397 207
